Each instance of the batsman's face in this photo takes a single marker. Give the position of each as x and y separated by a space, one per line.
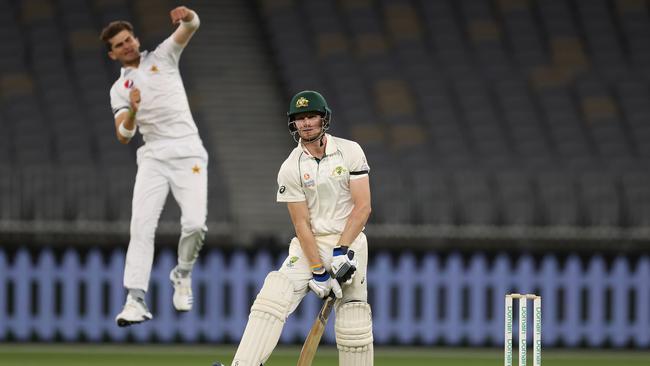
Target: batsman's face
125 48
308 125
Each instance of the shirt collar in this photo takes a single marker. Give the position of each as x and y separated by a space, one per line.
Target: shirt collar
330 148
124 70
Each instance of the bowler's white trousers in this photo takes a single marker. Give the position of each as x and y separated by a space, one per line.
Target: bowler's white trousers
182 166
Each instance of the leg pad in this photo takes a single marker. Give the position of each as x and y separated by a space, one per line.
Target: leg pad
354 334
265 323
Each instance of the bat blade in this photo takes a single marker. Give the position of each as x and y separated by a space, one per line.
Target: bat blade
313 338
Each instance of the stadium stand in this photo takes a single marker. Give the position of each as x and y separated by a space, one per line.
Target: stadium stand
509 112
473 112
59 159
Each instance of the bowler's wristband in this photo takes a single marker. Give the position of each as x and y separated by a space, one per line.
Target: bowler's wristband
192 24
126 133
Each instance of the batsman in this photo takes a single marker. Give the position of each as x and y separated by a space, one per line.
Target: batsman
325 184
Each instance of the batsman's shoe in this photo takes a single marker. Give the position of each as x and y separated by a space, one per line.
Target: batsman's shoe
182 299
135 311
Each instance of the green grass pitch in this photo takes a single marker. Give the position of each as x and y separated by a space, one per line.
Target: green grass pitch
175 355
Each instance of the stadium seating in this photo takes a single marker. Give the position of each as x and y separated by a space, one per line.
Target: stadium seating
59 159
472 112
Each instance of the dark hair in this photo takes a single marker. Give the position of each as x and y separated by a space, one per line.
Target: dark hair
112 29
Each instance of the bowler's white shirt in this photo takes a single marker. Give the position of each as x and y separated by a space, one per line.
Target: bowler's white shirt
164 112
324 184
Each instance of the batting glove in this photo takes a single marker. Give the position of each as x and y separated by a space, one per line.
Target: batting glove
322 284
344 265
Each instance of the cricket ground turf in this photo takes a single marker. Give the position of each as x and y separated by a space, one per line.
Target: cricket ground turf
203 355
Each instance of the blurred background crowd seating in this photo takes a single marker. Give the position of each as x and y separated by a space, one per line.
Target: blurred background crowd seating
473 113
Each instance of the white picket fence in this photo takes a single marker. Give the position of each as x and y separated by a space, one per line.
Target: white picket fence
416 299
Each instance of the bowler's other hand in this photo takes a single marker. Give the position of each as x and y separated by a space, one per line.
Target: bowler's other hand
181 13
322 283
344 265
134 98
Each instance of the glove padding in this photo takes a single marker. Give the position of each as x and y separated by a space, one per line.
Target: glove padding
344 265
322 283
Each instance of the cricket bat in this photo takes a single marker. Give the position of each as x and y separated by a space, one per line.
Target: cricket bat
313 338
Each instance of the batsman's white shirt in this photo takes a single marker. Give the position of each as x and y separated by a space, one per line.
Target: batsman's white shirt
324 184
172 159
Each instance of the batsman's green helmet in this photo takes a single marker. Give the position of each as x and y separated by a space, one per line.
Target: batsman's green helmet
308 101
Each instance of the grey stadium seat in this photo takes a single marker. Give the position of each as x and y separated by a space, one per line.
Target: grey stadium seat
558 198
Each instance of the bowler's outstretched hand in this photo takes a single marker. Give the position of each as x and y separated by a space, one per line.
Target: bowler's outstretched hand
179 14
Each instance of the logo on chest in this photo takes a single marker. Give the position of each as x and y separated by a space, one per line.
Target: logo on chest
307 180
338 171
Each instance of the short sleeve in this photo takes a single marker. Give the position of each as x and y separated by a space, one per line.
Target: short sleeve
357 162
289 186
119 103
170 50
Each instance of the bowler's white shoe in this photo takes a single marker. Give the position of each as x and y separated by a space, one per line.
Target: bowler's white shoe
182 299
135 311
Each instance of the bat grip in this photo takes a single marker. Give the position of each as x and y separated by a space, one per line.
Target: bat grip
332 295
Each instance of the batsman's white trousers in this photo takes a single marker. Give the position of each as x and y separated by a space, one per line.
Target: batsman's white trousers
296 267
181 166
